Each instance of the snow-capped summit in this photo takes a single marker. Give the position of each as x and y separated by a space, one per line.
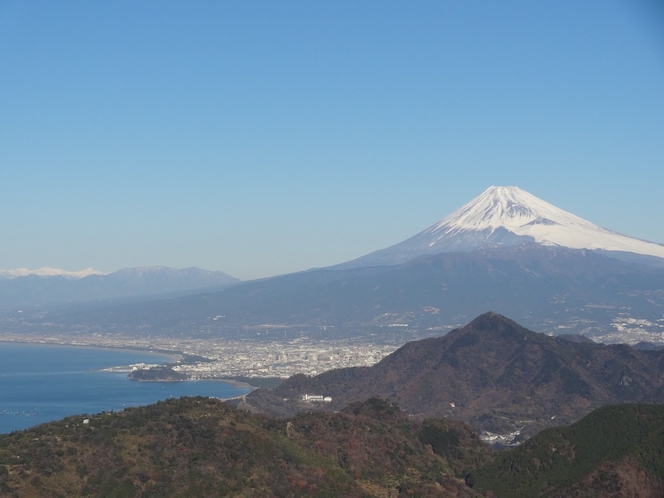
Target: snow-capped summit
510 216
525 215
507 207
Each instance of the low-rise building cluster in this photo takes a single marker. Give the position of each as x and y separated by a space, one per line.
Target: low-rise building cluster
216 359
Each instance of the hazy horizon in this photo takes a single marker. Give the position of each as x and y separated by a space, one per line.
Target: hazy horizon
264 138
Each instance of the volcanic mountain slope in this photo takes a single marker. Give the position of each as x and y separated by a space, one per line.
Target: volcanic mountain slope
204 448
510 216
495 375
614 452
550 289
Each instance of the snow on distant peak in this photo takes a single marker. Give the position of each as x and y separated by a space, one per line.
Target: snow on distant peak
49 272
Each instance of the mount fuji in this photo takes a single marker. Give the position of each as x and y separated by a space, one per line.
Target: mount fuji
506 251
508 217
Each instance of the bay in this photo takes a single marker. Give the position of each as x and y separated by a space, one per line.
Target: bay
44 383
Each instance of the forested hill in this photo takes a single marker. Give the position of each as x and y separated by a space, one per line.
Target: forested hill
616 451
494 374
199 447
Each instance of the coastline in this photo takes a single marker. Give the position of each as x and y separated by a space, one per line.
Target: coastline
239 384
41 384
230 382
174 356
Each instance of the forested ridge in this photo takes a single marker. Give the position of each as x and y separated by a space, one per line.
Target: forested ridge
202 447
206 448
614 451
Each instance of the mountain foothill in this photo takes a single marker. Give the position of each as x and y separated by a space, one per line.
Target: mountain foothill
492 374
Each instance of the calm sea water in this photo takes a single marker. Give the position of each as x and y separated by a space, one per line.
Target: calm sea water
44 383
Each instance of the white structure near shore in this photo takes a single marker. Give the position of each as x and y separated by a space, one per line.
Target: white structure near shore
316 398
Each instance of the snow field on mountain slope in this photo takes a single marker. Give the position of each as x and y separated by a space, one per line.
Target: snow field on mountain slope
525 215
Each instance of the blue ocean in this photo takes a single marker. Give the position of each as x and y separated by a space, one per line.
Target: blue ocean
44 383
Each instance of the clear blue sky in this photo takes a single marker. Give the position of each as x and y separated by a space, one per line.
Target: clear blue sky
261 138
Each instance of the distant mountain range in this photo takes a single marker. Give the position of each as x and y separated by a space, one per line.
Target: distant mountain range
505 251
550 289
27 288
49 272
492 373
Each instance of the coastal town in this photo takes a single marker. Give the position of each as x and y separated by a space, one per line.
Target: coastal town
217 359
279 359
200 359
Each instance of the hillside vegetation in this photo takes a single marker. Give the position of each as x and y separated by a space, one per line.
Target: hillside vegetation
204 448
493 374
200 447
616 451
